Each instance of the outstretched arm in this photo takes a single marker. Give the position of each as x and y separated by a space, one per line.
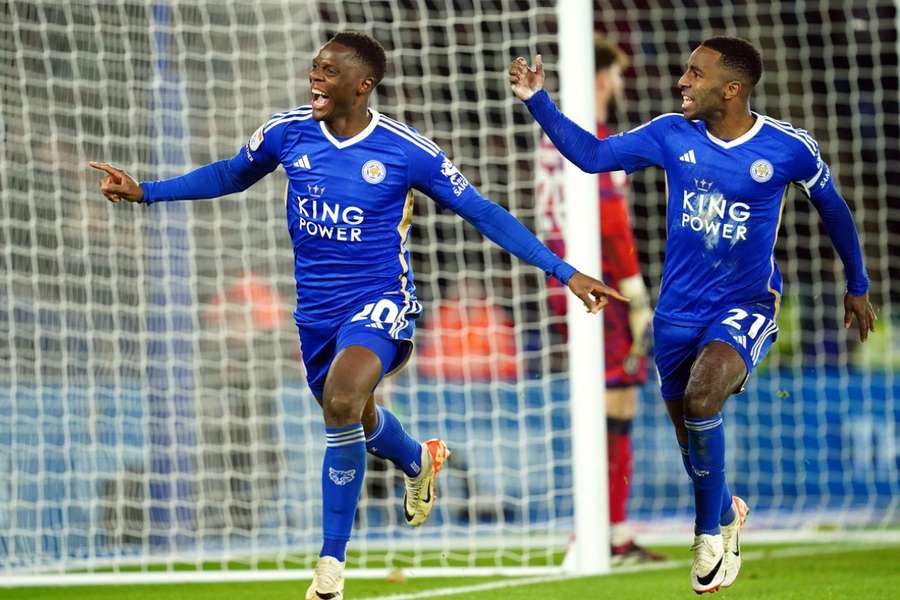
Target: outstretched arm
257 158
434 174
498 225
210 181
841 229
581 147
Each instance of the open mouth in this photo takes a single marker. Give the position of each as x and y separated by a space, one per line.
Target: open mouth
319 99
686 102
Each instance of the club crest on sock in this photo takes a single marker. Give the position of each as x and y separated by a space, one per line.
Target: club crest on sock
341 477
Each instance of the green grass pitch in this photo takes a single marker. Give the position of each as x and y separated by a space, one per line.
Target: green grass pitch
816 571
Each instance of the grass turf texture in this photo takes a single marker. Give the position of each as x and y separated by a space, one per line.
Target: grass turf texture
809 571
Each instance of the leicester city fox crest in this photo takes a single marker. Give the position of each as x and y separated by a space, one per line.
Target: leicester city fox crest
341 477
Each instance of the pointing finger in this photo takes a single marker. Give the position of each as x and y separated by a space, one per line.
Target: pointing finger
113 173
615 294
102 166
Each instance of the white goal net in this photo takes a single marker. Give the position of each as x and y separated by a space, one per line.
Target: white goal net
153 410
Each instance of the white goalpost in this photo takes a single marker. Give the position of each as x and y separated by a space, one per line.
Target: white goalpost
590 547
154 419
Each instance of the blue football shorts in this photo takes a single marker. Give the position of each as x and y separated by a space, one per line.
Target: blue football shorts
385 326
748 328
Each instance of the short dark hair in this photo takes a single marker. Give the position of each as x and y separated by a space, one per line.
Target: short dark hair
607 54
738 55
366 48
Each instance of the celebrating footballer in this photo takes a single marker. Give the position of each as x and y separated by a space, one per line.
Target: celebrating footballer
728 169
349 207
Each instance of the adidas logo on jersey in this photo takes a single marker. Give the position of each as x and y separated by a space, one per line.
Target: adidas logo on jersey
688 157
302 162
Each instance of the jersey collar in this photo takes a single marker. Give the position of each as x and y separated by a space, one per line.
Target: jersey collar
356 138
739 140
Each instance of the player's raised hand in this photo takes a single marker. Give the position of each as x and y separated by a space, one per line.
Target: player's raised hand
593 292
117 185
859 308
524 80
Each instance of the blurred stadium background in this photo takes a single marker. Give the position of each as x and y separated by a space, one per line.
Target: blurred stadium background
152 406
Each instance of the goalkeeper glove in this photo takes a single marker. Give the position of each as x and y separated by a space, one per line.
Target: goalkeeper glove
640 319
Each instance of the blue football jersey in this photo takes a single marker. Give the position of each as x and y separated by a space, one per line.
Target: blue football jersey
724 206
349 206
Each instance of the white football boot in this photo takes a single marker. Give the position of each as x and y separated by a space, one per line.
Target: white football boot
420 490
328 580
708 570
731 541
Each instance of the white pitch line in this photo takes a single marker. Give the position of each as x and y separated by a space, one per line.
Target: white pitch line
658 566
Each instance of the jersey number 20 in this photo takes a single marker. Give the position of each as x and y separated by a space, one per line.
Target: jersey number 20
381 312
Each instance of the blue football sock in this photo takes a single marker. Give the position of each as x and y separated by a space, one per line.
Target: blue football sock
727 515
706 447
686 460
390 441
343 471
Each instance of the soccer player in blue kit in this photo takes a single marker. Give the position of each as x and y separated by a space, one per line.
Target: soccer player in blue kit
728 170
349 208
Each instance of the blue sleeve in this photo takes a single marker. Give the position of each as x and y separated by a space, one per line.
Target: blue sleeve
636 149
840 226
438 177
255 160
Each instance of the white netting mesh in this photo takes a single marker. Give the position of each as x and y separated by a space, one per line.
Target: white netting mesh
152 405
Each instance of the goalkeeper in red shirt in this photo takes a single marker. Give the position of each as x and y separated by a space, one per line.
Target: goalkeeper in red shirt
625 325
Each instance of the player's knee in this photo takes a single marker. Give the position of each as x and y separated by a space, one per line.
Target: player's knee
341 409
702 403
